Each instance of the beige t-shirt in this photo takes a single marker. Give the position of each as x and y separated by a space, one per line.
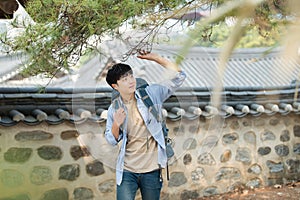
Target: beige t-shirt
141 149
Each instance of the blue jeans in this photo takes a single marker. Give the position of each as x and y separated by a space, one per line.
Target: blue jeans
149 183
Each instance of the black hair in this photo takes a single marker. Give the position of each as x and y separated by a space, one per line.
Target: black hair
116 72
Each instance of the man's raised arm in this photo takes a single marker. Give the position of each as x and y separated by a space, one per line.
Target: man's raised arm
160 60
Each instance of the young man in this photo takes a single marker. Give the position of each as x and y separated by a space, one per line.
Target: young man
142 152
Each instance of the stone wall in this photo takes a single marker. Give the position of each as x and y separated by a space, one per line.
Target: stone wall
68 161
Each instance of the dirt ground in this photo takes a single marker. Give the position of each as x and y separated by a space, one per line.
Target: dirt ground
289 191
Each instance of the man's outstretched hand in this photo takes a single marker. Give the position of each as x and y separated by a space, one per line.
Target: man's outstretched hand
148 55
158 59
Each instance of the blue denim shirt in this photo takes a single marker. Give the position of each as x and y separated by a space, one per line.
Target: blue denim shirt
158 94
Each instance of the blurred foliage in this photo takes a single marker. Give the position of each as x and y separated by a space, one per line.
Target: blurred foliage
62 30
250 39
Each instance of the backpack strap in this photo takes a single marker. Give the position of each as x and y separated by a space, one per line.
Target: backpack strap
149 104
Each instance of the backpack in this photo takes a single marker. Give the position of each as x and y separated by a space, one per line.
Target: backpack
141 85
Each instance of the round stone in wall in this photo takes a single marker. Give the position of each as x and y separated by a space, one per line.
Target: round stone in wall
194 128
293 167
179 130
56 194
235 125
264 151
69 172
177 179
187 194
246 122
255 169
69 134
17 155
296 148
275 167
209 191
210 142
259 122
95 168
83 193
250 137
77 152
187 159
296 131
50 152
282 150
206 159
285 136
230 138
11 178
107 186
226 173
254 183
190 144
267 135
226 156
198 174
274 121
40 175
243 154
33 136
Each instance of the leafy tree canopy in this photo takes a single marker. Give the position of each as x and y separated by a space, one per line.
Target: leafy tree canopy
62 30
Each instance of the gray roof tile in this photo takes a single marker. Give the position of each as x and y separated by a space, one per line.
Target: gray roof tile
245 68
252 85
53 111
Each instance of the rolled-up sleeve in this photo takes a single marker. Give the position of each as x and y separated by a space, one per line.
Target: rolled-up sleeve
178 80
108 134
160 92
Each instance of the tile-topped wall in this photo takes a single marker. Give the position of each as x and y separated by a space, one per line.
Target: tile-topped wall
212 156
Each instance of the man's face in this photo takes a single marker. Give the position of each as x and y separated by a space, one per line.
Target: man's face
126 84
